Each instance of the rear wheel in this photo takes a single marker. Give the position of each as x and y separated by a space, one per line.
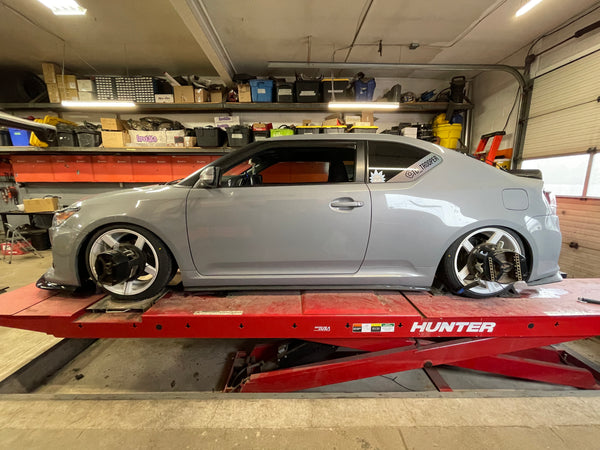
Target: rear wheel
128 262
463 272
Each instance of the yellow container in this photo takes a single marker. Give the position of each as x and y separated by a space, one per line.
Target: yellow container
440 119
448 134
48 120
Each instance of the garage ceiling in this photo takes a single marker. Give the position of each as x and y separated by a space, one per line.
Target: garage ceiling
152 36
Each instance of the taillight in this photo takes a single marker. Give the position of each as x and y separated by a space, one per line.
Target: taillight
551 199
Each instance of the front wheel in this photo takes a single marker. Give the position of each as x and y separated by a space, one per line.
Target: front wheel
464 273
128 262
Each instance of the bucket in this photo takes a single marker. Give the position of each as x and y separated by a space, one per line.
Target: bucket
448 134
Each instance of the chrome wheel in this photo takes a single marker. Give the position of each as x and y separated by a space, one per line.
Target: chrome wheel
112 240
467 274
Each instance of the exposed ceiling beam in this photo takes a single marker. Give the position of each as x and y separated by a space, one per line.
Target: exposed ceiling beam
196 18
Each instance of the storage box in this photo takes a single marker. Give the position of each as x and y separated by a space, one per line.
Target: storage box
335 87
88 138
19 138
227 121
210 136
148 138
115 139
66 137
282 131
40 204
262 91
183 94
308 91
308 129
85 96
239 135
50 70
66 81
85 86
16 248
112 124
330 129
164 98
216 96
364 129
285 92
201 95
68 94
175 137
53 92
261 130
244 93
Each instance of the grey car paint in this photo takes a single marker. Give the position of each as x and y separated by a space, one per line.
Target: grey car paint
291 235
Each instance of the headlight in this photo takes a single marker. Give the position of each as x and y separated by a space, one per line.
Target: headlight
64 214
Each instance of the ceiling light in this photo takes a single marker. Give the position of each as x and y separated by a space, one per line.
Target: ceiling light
98 104
527 6
363 105
64 7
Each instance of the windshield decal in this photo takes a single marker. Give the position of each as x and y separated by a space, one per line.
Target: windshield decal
417 169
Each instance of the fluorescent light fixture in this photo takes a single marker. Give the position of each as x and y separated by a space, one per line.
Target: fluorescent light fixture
98 104
364 105
64 7
527 6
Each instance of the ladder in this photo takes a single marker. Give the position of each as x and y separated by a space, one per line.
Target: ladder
490 156
15 239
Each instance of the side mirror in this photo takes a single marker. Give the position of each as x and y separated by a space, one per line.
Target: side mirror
209 177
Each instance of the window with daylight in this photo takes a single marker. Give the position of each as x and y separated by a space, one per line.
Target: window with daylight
563 175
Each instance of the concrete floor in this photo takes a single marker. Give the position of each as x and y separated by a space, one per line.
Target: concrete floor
110 405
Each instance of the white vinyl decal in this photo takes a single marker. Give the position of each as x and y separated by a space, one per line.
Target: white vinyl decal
377 176
417 169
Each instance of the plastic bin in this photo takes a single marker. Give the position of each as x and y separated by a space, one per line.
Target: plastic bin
308 91
5 138
283 130
88 138
210 136
262 90
308 129
330 129
338 87
285 92
365 129
448 134
19 138
239 135
66 136
363 92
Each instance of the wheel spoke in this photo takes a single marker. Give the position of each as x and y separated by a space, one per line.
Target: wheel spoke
110 241
495 238
467 246
150 270
463 273
139 242
127 286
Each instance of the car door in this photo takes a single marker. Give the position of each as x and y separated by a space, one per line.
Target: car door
300 221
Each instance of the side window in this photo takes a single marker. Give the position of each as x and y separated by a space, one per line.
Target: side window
396 162
294 165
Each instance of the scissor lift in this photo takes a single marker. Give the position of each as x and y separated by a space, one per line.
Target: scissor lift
389 331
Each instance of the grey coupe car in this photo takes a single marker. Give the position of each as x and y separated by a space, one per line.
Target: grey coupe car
317 211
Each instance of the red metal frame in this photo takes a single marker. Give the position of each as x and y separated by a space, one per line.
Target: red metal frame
395 330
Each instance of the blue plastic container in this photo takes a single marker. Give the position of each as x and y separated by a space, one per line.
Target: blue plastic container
19 138
364 91
262 90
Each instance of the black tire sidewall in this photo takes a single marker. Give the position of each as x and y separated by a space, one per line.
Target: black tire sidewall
165 262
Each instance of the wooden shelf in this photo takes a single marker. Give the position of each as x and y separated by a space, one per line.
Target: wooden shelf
429 107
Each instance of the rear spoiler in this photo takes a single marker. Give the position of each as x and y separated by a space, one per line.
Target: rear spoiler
532 173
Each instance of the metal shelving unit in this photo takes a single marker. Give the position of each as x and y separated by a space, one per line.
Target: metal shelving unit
121 151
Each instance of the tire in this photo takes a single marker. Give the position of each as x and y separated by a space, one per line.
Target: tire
159 263
456 272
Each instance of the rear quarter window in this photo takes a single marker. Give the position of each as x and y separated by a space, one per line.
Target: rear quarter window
392 162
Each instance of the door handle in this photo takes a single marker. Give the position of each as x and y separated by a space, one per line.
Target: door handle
346 204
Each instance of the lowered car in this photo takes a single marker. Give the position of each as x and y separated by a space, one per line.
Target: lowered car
316 211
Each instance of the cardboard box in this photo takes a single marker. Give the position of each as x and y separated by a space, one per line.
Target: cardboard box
226 121
68 94
40 204
164 98
148 138
351 118
367 116
85 86
53 92
112 124
85 96
115 139
50 70
244 93
66 81
183 94
173 137
216 96
332 122
201 95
